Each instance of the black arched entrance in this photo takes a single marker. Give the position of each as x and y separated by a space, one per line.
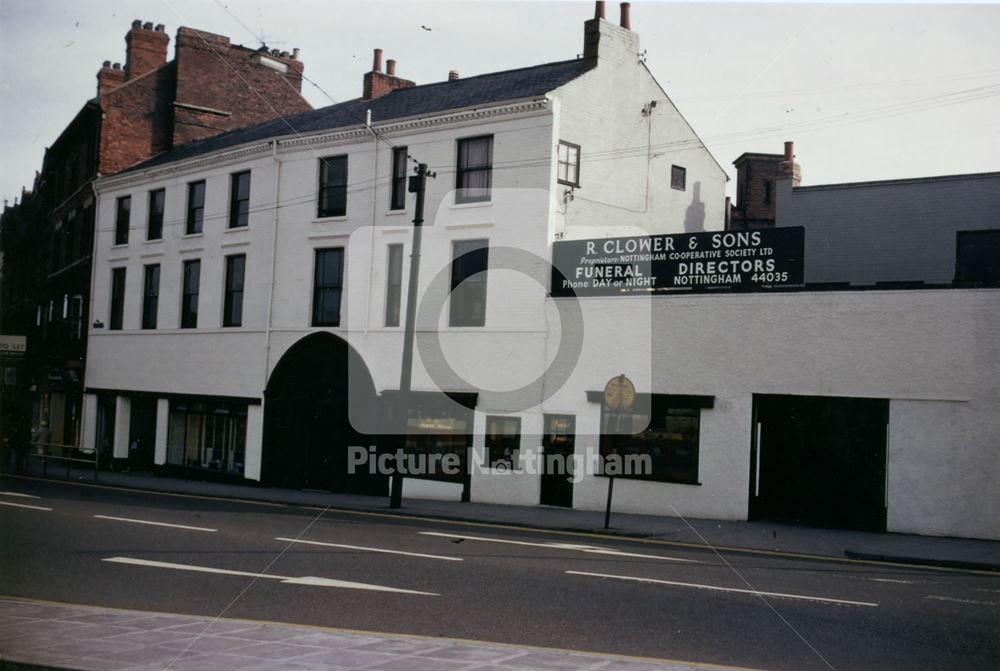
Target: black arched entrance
306 427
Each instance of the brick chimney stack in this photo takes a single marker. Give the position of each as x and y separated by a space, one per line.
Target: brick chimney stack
788 168
146 48
603 41
378 83
109 77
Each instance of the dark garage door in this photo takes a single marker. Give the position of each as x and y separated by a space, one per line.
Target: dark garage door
819 461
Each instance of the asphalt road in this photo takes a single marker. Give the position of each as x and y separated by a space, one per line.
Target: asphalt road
99 546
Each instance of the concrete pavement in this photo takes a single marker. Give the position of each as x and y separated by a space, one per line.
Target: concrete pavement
721 534
66 636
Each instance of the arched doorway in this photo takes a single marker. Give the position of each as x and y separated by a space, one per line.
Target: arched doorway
306 426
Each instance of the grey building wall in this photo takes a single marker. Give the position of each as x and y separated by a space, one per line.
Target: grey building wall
890 231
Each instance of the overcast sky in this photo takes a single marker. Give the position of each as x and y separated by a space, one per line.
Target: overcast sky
866 91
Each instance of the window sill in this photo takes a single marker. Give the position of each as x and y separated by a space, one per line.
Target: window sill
236 229
473 205
572 185
323 220
120 245
652 480
193 235
395 213
155 241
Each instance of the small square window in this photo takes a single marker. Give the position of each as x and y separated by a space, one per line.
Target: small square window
503 439
569 164
678 178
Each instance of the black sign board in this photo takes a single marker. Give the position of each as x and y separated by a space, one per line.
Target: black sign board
734 260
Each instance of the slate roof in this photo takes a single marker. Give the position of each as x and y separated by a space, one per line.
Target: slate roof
401 103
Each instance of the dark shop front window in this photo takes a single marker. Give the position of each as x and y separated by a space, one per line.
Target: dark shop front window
503 440
207 435
667 435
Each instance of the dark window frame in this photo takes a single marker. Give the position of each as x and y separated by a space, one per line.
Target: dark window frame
190 290
116 316
232 303
195 208
157 207
324 288
465 171
469 275
150 295
330 189
393 284
575 165
675 183
397 198
675 457
123 217
239 206
501 447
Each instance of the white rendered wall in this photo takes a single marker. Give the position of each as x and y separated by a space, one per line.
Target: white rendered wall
627 155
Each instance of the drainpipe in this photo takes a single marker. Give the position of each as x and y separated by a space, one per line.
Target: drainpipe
371 243
274 256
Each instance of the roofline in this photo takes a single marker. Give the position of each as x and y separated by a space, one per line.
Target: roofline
135 172
748 155
498 72
904 180
684 119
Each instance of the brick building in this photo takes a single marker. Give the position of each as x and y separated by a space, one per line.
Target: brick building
145 108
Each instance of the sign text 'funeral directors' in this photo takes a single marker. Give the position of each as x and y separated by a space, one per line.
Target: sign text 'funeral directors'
736 260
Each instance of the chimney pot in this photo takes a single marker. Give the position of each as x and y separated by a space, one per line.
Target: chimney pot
148 25
160 28
137 23
599 9
117 66
295 53
626 21
390 67
284 54
106 64
377 61
452 75
789 151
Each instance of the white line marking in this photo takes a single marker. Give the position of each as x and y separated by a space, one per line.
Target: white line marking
155 524
366 549
726 589
23 505
892 580
19 494
304 580
968 601
559 546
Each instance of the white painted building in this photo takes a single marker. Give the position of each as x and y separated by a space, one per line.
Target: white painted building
258 334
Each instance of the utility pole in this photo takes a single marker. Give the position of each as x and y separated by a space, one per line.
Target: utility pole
418 185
